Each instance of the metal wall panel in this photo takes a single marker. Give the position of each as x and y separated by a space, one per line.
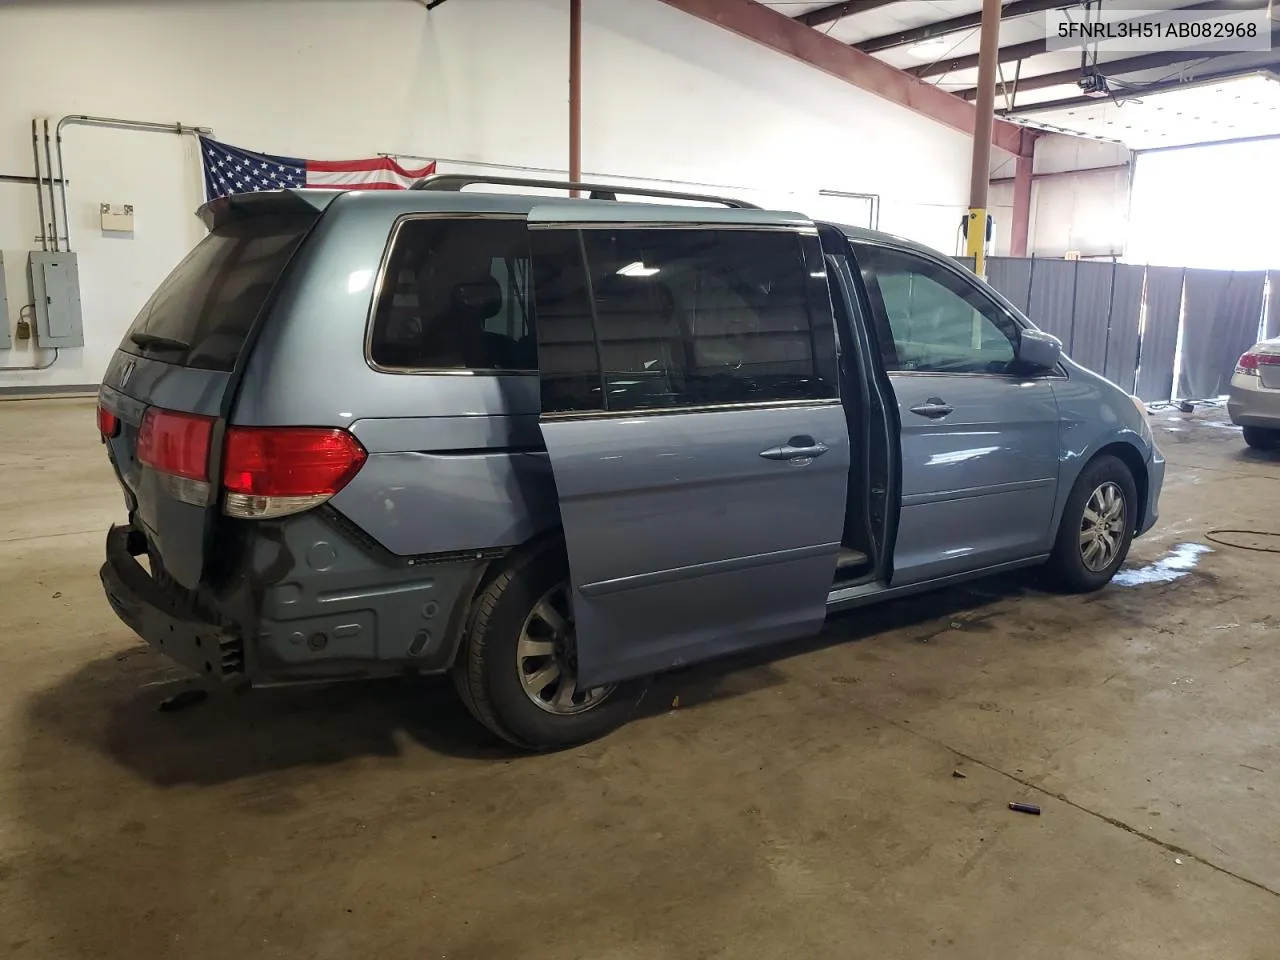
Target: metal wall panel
1091 314
1121 364
1160 333
1012 277
1221 320
1052 299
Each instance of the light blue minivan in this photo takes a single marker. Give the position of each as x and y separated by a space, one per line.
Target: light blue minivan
556 445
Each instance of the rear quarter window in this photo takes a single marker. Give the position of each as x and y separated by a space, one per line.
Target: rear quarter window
200 316
455 296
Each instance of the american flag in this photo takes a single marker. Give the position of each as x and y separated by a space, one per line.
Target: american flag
229 169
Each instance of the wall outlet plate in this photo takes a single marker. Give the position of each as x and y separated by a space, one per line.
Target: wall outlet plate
117 218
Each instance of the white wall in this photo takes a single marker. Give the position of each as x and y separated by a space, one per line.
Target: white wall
1000 206
1057 153
1087 212
1075 206
667 96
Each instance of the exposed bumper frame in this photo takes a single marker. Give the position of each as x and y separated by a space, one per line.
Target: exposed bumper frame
201 646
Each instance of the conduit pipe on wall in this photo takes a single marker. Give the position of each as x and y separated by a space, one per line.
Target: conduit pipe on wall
53 212
144 126
35 156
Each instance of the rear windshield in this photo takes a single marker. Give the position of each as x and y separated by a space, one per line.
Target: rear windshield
201 314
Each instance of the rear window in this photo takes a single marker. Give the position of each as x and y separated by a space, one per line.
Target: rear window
201 315
456 296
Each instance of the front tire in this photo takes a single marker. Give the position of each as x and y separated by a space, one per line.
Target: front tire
1261 438
1097 527
517 668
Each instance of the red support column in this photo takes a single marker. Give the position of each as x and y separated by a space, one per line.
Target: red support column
1020 229
575 91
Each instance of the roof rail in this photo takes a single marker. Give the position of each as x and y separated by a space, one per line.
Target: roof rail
596 191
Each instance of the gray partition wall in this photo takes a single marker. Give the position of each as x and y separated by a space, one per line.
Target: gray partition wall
1222 312
1091 314
1120 365
1012 277
1052 300
1160 333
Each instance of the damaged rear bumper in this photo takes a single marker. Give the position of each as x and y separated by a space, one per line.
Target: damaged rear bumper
158 617
305 601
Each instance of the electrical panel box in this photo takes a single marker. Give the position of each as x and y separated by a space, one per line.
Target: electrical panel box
6 339
55 291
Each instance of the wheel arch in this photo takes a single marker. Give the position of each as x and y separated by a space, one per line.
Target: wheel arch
1134 459
491 571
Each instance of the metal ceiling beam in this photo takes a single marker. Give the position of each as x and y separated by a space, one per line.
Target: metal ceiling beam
1110 68
1148 89
838 11
1116 68
1018 51
970 21
778 32
1022 51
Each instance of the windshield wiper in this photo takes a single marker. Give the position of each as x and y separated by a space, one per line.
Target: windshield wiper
150 341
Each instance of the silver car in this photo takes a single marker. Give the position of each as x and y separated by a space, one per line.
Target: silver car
553 446
1253 401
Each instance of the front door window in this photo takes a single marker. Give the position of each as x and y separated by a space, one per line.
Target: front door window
938 321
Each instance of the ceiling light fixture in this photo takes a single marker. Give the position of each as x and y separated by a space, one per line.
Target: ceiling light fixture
930 49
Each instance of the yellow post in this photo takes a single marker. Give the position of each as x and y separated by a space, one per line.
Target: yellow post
984 118
976 240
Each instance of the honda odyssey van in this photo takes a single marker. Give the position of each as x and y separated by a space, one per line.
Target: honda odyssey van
554 446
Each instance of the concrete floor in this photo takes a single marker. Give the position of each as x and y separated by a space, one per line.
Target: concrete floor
800 803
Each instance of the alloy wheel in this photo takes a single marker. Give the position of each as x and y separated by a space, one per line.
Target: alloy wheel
1102 526
547 657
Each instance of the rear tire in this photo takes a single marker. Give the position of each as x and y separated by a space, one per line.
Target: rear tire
1261 438
1097 527
516 670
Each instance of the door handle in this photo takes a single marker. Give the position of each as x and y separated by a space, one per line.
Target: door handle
797 448
933 408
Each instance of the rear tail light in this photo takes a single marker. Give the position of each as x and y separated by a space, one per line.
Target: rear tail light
1249 363
176 446
108 423
266 471
274 471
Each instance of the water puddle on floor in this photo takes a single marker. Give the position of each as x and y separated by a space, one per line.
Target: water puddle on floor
1175 564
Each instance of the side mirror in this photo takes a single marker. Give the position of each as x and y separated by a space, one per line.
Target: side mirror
1038 350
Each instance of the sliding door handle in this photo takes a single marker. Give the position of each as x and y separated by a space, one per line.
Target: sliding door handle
933 408
797 448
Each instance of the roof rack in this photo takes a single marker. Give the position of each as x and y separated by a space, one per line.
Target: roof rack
596 191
